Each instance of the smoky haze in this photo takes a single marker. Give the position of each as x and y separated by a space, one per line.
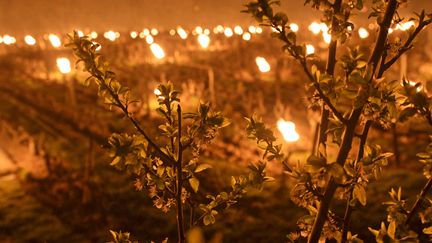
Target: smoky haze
40 16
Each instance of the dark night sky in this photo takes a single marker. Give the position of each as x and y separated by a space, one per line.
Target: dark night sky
36 16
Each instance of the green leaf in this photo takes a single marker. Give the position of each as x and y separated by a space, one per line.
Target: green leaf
349 170
359 4
407 113
202 167
428 230
360 193
336 170
392 229
115 161
423 155
316 161
194 183
209 219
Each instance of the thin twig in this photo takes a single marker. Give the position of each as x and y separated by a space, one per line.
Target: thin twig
303 62
164 157
321 94
349 209
406 47
180 225
349 132
419 201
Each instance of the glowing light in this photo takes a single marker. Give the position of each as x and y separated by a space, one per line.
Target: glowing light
246 36
228 32
287 129
9 40
30 40
252 29
157 92
198 30
262 64
413 84
405 26
363 33
206 32
182 33
93 35
144 33
157 51
218 29
310 49
55 40
99 46
204 40
149 39
327 37
390 30
315 28
172 32
324 28
259 30
294 27
273 29
80 33
63 65
110 35
154 31
133 34
238 30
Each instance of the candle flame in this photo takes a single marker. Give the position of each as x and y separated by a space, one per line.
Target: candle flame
287 129
204 41
157 51
55 40
63 65
30 40
262 64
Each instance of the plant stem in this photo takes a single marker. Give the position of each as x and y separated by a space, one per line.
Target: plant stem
419 201
332 185
347 218
363 139
349 209
407 46
180 225
322 138
164 157
331 63
349 132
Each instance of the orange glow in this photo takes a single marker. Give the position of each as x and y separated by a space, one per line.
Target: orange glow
30 40
204 41
287 129
63 65
55 40
262 64
157 51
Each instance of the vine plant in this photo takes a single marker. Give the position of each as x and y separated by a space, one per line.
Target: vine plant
353 95
168 171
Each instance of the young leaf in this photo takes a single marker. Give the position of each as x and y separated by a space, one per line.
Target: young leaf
360 193
194 183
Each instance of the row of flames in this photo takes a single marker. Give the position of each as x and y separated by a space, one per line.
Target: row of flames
286 128
246 33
